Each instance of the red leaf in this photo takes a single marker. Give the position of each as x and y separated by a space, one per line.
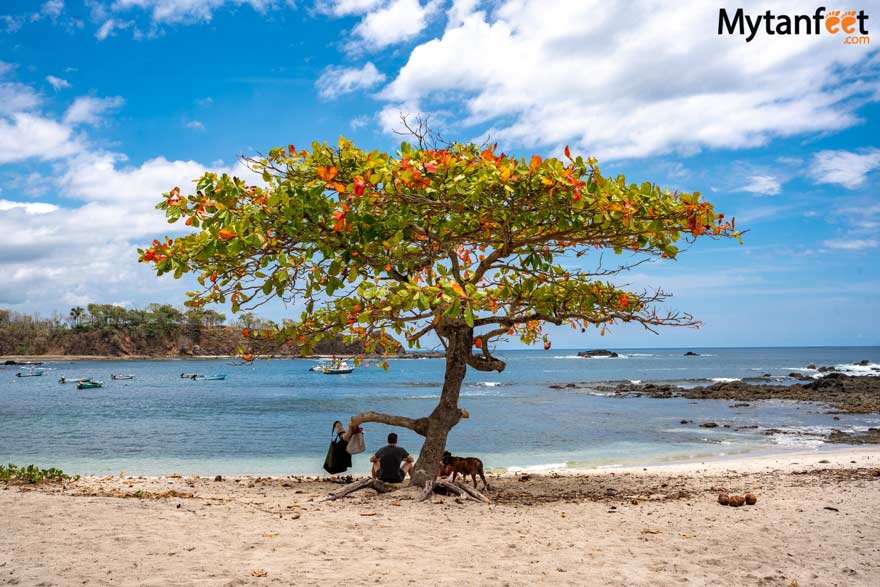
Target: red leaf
567 152
359 186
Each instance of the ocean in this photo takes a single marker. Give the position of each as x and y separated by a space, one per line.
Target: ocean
274 417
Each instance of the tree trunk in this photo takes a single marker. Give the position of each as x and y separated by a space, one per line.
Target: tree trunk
446 414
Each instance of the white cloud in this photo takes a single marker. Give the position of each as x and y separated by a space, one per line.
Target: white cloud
57 82
396 22
337 81
844 168
90 110
23 136
593 75
348 7
17 98
110 26
846 244
186 11
28 207
762 184
51 9
359 122
195 125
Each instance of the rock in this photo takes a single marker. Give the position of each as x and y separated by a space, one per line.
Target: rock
723 499
863 363
751 499
800 376
737 500
524 477
691 354
811 366
218 478
709 425
826 369
739 406
686 422
598 353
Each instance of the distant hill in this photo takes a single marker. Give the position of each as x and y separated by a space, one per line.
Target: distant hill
159 331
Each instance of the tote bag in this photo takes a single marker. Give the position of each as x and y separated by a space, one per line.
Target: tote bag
337 459
356 443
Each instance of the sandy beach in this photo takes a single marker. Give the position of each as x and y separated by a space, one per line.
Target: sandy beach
815 523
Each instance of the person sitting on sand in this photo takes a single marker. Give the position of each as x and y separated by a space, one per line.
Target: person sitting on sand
391 463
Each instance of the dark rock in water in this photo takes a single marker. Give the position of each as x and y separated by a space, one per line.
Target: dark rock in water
811 366
740 406
872 436
800 376
598 353
566 386
863 363
826 369
709 425
686 422
691 354
766 375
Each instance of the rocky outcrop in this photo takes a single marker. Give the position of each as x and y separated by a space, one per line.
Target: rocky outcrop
598 353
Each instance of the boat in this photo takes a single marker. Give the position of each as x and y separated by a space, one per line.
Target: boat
74 379
89 384
319 367
218 377
338 367
30 373
188 375
121 377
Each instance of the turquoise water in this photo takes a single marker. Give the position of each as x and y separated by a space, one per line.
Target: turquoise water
274 417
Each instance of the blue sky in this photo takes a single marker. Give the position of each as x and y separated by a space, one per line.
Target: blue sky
106 104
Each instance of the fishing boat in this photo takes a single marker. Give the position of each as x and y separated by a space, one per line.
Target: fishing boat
30 373
89 384
74 379
217 377
188 375
338 367
121 377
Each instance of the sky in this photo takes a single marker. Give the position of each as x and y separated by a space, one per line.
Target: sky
106 104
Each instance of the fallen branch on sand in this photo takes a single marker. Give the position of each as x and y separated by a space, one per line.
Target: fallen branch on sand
375 484
456 488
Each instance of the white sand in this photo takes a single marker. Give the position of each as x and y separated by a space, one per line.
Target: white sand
575 529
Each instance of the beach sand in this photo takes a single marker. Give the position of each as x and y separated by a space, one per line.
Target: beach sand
654 526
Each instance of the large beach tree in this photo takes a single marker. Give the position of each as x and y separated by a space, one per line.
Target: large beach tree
459 243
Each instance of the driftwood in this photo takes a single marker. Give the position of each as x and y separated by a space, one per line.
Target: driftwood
456 488
375 484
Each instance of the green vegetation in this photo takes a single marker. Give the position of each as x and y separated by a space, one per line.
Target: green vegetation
32 474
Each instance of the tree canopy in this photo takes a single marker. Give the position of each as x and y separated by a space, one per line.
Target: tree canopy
462 241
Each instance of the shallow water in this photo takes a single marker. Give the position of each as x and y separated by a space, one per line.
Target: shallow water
274 417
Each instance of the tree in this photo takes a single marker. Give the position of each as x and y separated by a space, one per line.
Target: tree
76 315
461 242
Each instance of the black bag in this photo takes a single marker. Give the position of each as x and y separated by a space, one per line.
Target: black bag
338 459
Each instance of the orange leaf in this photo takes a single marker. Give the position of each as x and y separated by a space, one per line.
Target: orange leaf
567 152
327 173
534 163
226 234
458 289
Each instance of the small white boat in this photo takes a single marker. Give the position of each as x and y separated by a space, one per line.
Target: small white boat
30 373
121 377
217 377
338 367
74 379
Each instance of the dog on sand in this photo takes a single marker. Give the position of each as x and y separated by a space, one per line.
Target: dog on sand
464 466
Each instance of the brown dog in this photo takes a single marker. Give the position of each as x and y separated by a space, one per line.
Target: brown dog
465 466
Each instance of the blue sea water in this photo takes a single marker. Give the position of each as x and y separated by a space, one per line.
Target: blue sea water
274 417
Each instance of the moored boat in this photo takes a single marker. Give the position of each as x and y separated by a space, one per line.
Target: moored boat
89 384
338 367
121 377
73 379
188 375
30 373
217 377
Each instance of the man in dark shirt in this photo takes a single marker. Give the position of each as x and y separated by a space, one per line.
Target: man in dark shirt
387 461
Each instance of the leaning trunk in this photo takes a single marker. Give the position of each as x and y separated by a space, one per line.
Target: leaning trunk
446 414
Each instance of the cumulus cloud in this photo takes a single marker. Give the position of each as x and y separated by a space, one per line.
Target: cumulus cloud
16 97
57 82
844 168
186 11
590 74
766 185
91 110
845 244
28 207
396 22
24 136
337 81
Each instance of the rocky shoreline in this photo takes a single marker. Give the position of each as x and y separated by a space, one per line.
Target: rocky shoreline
846 393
